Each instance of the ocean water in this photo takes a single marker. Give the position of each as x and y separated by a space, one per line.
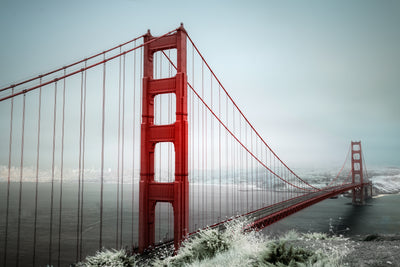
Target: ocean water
58 235
381 214
332 216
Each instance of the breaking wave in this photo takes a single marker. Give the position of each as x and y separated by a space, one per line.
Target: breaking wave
233 247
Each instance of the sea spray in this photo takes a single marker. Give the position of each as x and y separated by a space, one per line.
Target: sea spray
214 247
115 258
235 247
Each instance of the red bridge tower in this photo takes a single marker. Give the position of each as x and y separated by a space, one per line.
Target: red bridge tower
151 192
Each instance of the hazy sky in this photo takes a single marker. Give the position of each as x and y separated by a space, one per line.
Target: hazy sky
310 75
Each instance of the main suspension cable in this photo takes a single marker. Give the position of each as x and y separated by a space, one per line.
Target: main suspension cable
234 103
86 68
69 66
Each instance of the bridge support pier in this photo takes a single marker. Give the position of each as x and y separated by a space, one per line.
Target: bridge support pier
150 191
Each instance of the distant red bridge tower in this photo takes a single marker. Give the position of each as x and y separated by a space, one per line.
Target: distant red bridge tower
357 173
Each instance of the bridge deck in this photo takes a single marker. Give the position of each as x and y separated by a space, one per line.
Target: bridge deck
268 215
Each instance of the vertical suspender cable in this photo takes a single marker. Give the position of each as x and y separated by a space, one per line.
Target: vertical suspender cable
227 154
252 171
193 145
262 178
133 146
118 149
190 147
237 163
275 192
282 195
78 257
219 154
265 178
52 173
160 146
273 180
247 168
61 175
37 176
8 179
169 144
291 181
140 85
212 155
241 166
198 160
289 193
156 148
234 151
123 148
169 121
291 188
202 149
20 178
83 159
157 152
286 185
259 184
191 121
281 174
205 159
266 186
232 167
257 179
102 155
270 179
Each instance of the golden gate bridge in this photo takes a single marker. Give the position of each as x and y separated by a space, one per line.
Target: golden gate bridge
136 146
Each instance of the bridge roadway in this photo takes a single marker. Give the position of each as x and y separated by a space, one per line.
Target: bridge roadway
270 214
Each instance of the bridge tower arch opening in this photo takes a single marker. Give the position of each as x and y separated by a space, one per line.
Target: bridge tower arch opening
151 191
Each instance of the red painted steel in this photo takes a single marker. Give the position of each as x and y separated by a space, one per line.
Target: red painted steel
151 192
